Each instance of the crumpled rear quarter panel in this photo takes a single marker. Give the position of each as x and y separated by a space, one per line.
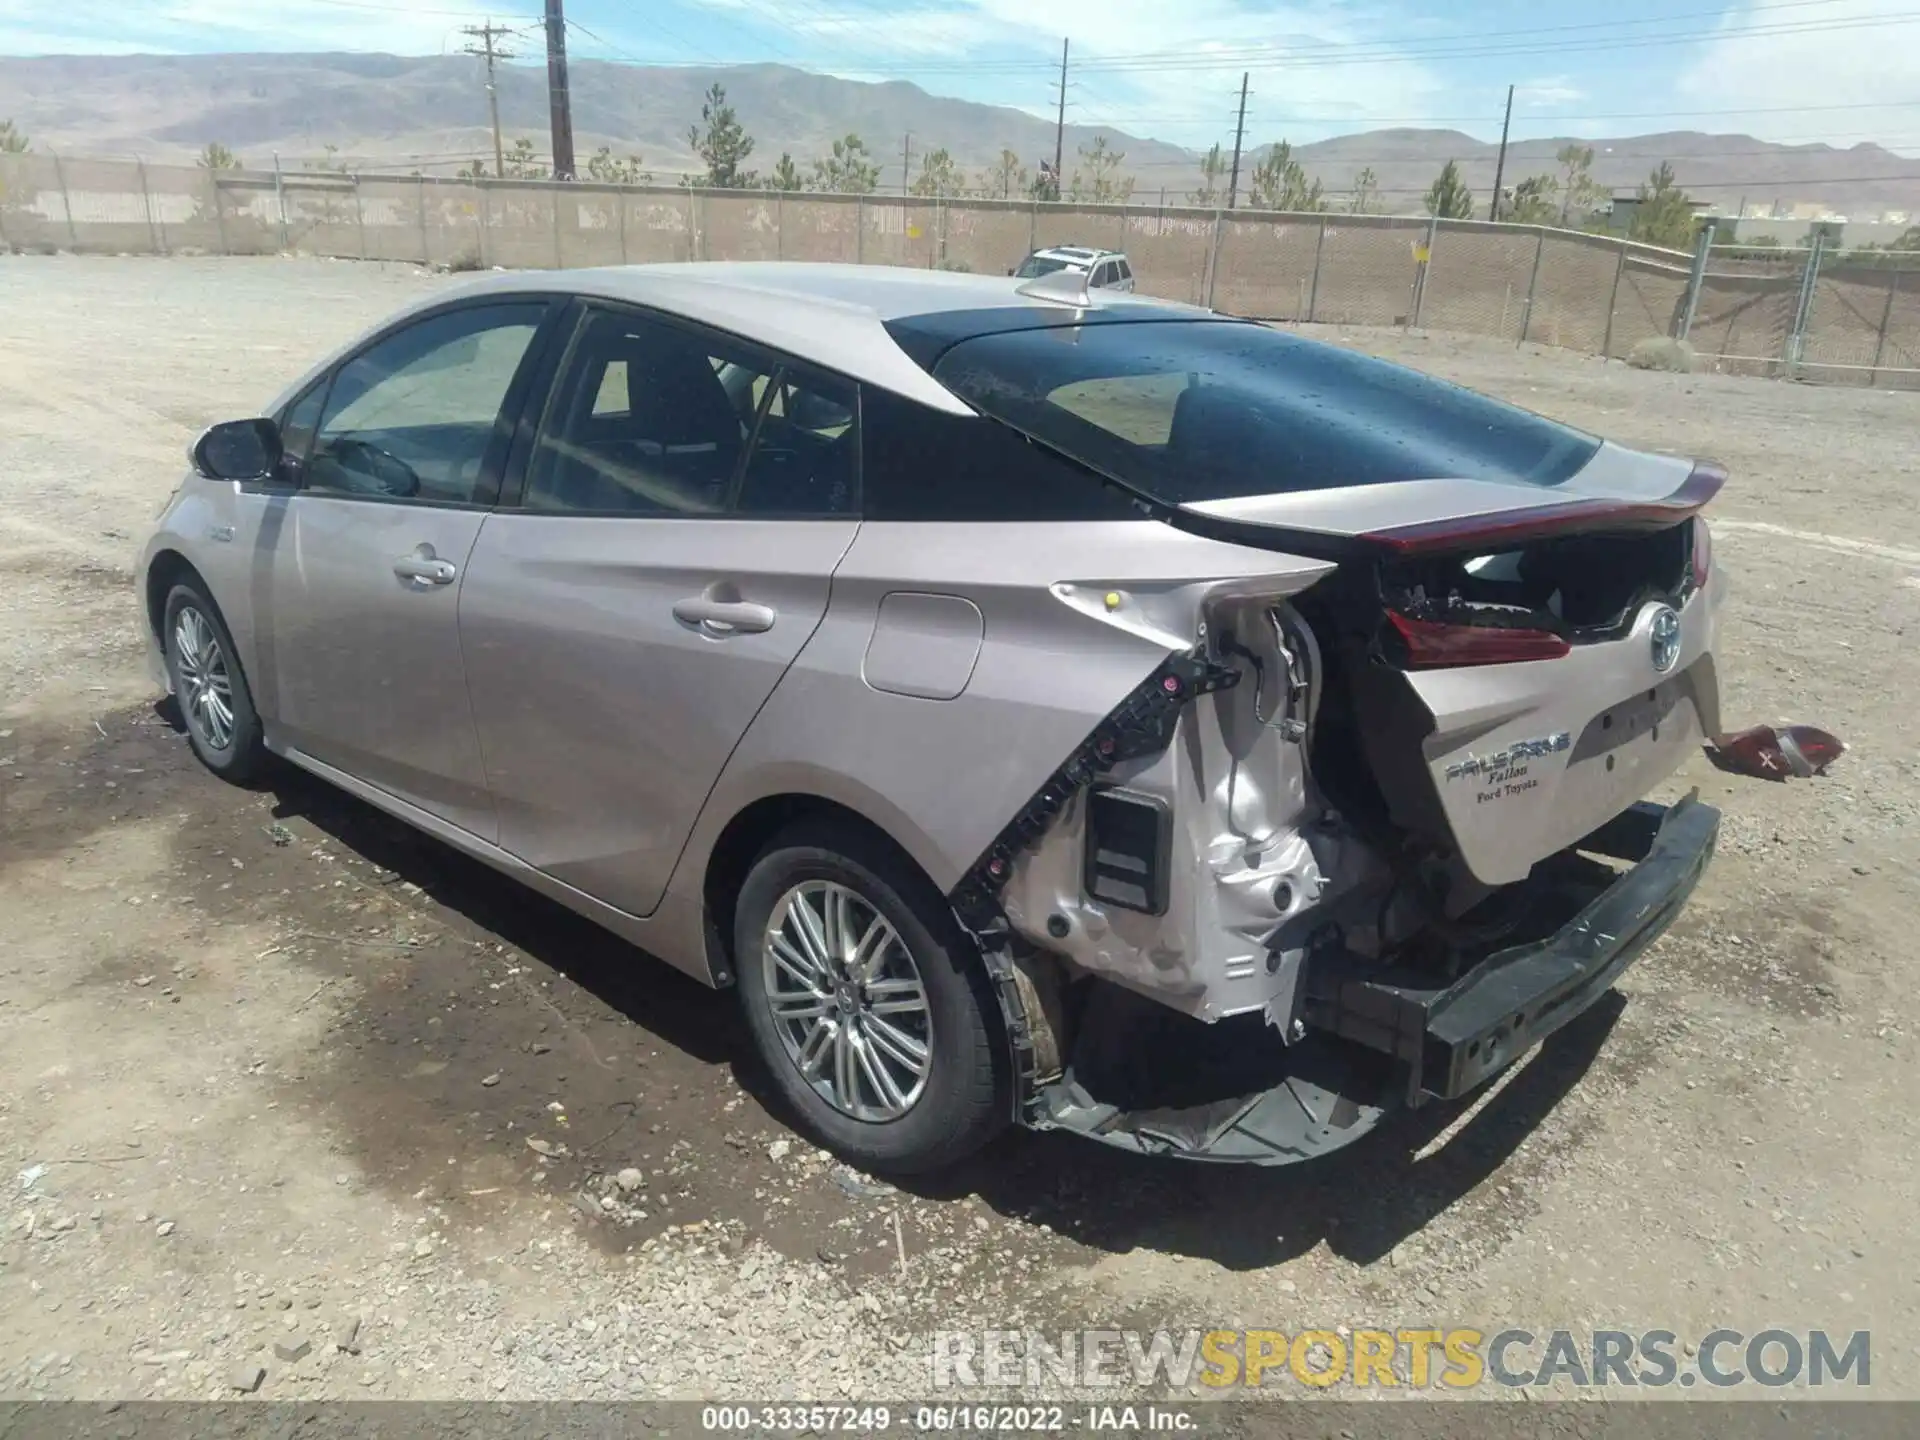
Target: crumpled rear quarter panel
943 776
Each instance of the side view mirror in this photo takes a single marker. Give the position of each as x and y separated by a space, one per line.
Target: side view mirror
238 450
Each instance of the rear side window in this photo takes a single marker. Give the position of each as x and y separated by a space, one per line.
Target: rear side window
657 419
924 464
1190 411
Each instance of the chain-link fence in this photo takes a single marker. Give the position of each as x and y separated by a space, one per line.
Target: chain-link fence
1850 317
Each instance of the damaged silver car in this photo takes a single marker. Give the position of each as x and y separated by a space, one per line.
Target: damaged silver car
1041 704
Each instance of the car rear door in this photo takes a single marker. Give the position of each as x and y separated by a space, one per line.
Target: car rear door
366 558
664 550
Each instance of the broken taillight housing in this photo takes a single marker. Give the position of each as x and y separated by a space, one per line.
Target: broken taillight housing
1769 753
1434 645
1702 551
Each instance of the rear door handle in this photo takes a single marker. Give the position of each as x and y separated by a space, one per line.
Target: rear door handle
724 617
423 567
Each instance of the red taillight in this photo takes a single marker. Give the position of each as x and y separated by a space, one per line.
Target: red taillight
1768 752
1702 551
1432 645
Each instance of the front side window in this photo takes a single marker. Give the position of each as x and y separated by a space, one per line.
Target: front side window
1195 410
414 415
297 425
650 418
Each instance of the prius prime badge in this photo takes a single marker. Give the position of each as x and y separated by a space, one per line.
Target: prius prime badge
1665 634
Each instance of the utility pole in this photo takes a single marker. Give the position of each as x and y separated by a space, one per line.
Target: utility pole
485 35
1060 127
559 102
1500 165
906 164
1239 134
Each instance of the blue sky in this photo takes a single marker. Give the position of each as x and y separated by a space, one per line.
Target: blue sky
1840 71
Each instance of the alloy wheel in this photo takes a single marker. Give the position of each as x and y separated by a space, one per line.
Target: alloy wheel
204 681
848 1001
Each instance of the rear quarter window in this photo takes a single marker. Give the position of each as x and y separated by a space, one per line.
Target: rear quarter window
918 463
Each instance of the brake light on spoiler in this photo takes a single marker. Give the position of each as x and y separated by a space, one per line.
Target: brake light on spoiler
1506 529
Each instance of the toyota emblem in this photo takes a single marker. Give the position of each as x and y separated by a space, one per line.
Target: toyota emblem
1665 635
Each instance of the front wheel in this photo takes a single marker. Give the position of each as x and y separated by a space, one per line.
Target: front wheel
867 1002
209 686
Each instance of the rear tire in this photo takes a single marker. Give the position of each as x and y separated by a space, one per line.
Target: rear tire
209 686
867 1002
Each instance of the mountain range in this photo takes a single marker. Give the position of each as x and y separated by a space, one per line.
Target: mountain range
430 113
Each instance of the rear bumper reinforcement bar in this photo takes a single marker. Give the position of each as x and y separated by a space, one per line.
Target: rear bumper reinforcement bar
1453 1038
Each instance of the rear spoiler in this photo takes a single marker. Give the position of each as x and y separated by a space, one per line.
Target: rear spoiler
1489 531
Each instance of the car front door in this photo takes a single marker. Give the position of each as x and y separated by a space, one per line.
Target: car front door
367 557
663 552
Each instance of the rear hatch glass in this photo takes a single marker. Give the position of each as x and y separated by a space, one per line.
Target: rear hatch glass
1205 410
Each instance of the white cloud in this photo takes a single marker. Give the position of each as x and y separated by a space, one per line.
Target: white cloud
1547 92
1856 62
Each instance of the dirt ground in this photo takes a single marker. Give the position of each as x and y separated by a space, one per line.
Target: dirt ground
269 1062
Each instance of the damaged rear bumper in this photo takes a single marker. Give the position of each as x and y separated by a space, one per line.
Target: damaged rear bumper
1453 1038
1380 1040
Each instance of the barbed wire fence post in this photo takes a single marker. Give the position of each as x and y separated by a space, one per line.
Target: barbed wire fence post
420 198
1696 278
1313 291
66 200
1886 320
1796 347
1213 253
1533 287
359 216
146 205
1613 300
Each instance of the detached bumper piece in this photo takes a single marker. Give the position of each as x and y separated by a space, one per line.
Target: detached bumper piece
1330 1097
1454 1037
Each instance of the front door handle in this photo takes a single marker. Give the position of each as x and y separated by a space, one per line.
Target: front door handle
724 617
423 567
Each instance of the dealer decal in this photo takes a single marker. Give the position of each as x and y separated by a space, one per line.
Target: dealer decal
1505 765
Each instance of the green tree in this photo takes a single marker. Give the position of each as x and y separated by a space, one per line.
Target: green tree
1366 193
1664 216
1280 183
939 177
605 166
1448 197
1579 191
12 140
724 144
1213 171
849 170
1535 201
218 157
1101 182
523 163
785 175
1004 178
